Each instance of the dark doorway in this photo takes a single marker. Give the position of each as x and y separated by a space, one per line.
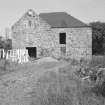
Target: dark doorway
32 51
62 38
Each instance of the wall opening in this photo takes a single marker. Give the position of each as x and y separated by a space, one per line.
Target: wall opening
30 23
62 38
32 52
63 50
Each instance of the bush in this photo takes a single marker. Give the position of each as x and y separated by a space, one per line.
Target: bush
99 87
6 66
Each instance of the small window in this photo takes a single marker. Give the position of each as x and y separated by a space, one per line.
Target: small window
25 24
62 38
30 23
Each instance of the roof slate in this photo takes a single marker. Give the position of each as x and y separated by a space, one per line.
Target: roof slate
61 20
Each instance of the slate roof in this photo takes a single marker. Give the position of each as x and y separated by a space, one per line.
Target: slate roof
61 20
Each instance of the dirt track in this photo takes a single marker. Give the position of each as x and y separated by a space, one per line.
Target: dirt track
15 86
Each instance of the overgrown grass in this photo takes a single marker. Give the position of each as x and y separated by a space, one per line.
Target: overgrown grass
98 61
64 88
54 89
7 66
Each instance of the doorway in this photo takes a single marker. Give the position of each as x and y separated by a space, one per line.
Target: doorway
32 52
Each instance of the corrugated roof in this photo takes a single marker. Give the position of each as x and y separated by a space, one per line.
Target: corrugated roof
61 20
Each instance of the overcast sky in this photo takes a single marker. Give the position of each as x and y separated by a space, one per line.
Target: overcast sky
85 10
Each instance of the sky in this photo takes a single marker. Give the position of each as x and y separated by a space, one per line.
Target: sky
85 10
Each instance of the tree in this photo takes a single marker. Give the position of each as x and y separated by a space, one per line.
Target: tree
98 37
7 44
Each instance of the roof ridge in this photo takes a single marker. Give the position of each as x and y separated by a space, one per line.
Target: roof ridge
54 12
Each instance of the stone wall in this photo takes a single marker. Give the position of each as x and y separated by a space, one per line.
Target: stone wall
40 34
78 42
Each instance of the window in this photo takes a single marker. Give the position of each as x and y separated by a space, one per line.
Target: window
62 38
30 13
25 24
30 23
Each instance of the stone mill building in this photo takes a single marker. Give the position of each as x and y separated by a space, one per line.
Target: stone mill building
56 34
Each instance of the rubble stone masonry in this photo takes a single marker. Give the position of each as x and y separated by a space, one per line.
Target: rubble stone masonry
78 42
33 31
